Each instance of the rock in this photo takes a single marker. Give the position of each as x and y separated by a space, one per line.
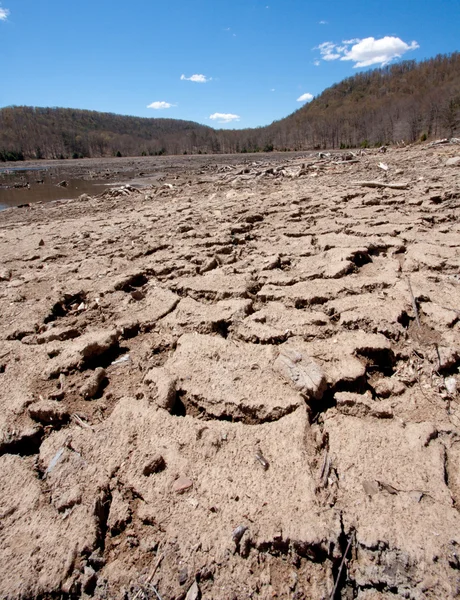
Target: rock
165 385
451 385
454 161
62 183
48 412
93 384
182 484
155 465
183 576
193 592
303 372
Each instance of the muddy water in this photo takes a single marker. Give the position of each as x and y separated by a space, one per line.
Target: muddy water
18 187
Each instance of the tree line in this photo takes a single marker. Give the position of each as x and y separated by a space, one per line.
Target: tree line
406 101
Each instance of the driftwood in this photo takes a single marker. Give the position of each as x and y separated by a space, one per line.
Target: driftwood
443 141
378 184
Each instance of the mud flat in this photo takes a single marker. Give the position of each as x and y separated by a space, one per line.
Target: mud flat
238 382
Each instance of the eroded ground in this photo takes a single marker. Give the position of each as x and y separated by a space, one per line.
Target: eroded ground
238 383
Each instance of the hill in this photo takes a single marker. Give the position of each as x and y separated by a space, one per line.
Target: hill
31 132
404 101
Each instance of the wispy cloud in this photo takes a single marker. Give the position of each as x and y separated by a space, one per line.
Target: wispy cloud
316 63
323 23
197 78
4 12
305 97
224 117
366 52
160 104
327 51
272 89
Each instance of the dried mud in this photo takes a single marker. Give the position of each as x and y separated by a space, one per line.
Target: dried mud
240 382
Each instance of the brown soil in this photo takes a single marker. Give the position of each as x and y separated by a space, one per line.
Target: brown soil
239 382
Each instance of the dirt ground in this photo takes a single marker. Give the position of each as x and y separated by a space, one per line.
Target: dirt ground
238 382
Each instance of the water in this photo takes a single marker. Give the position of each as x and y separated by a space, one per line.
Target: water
41 187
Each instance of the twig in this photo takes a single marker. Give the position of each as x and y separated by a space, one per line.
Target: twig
344 558
414 304
379 184
80 422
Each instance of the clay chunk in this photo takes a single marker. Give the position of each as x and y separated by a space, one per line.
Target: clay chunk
302 372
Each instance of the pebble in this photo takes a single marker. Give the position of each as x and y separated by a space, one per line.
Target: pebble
182 484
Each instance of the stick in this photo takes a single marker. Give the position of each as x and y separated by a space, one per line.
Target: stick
414 304
344 557
379 184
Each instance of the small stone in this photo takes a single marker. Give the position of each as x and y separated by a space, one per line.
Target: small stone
182 484
156 465
451 385
371 487
238 533
41 243
183 576
193 592
453 162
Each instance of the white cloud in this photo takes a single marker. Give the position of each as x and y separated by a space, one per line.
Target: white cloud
197 78
305 97
272 89
327 51
160 105
323 23
366 52
4 12
374 52
317 63
224 117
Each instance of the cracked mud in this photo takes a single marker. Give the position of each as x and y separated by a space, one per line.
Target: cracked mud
239 382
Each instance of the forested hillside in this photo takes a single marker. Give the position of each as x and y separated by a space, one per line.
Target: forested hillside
406 101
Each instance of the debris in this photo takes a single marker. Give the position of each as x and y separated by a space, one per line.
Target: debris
382 184
383 166
414 304
342 563
54 461
62 183
121 361
263 461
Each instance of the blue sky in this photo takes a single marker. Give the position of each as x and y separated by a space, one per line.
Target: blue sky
225 63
